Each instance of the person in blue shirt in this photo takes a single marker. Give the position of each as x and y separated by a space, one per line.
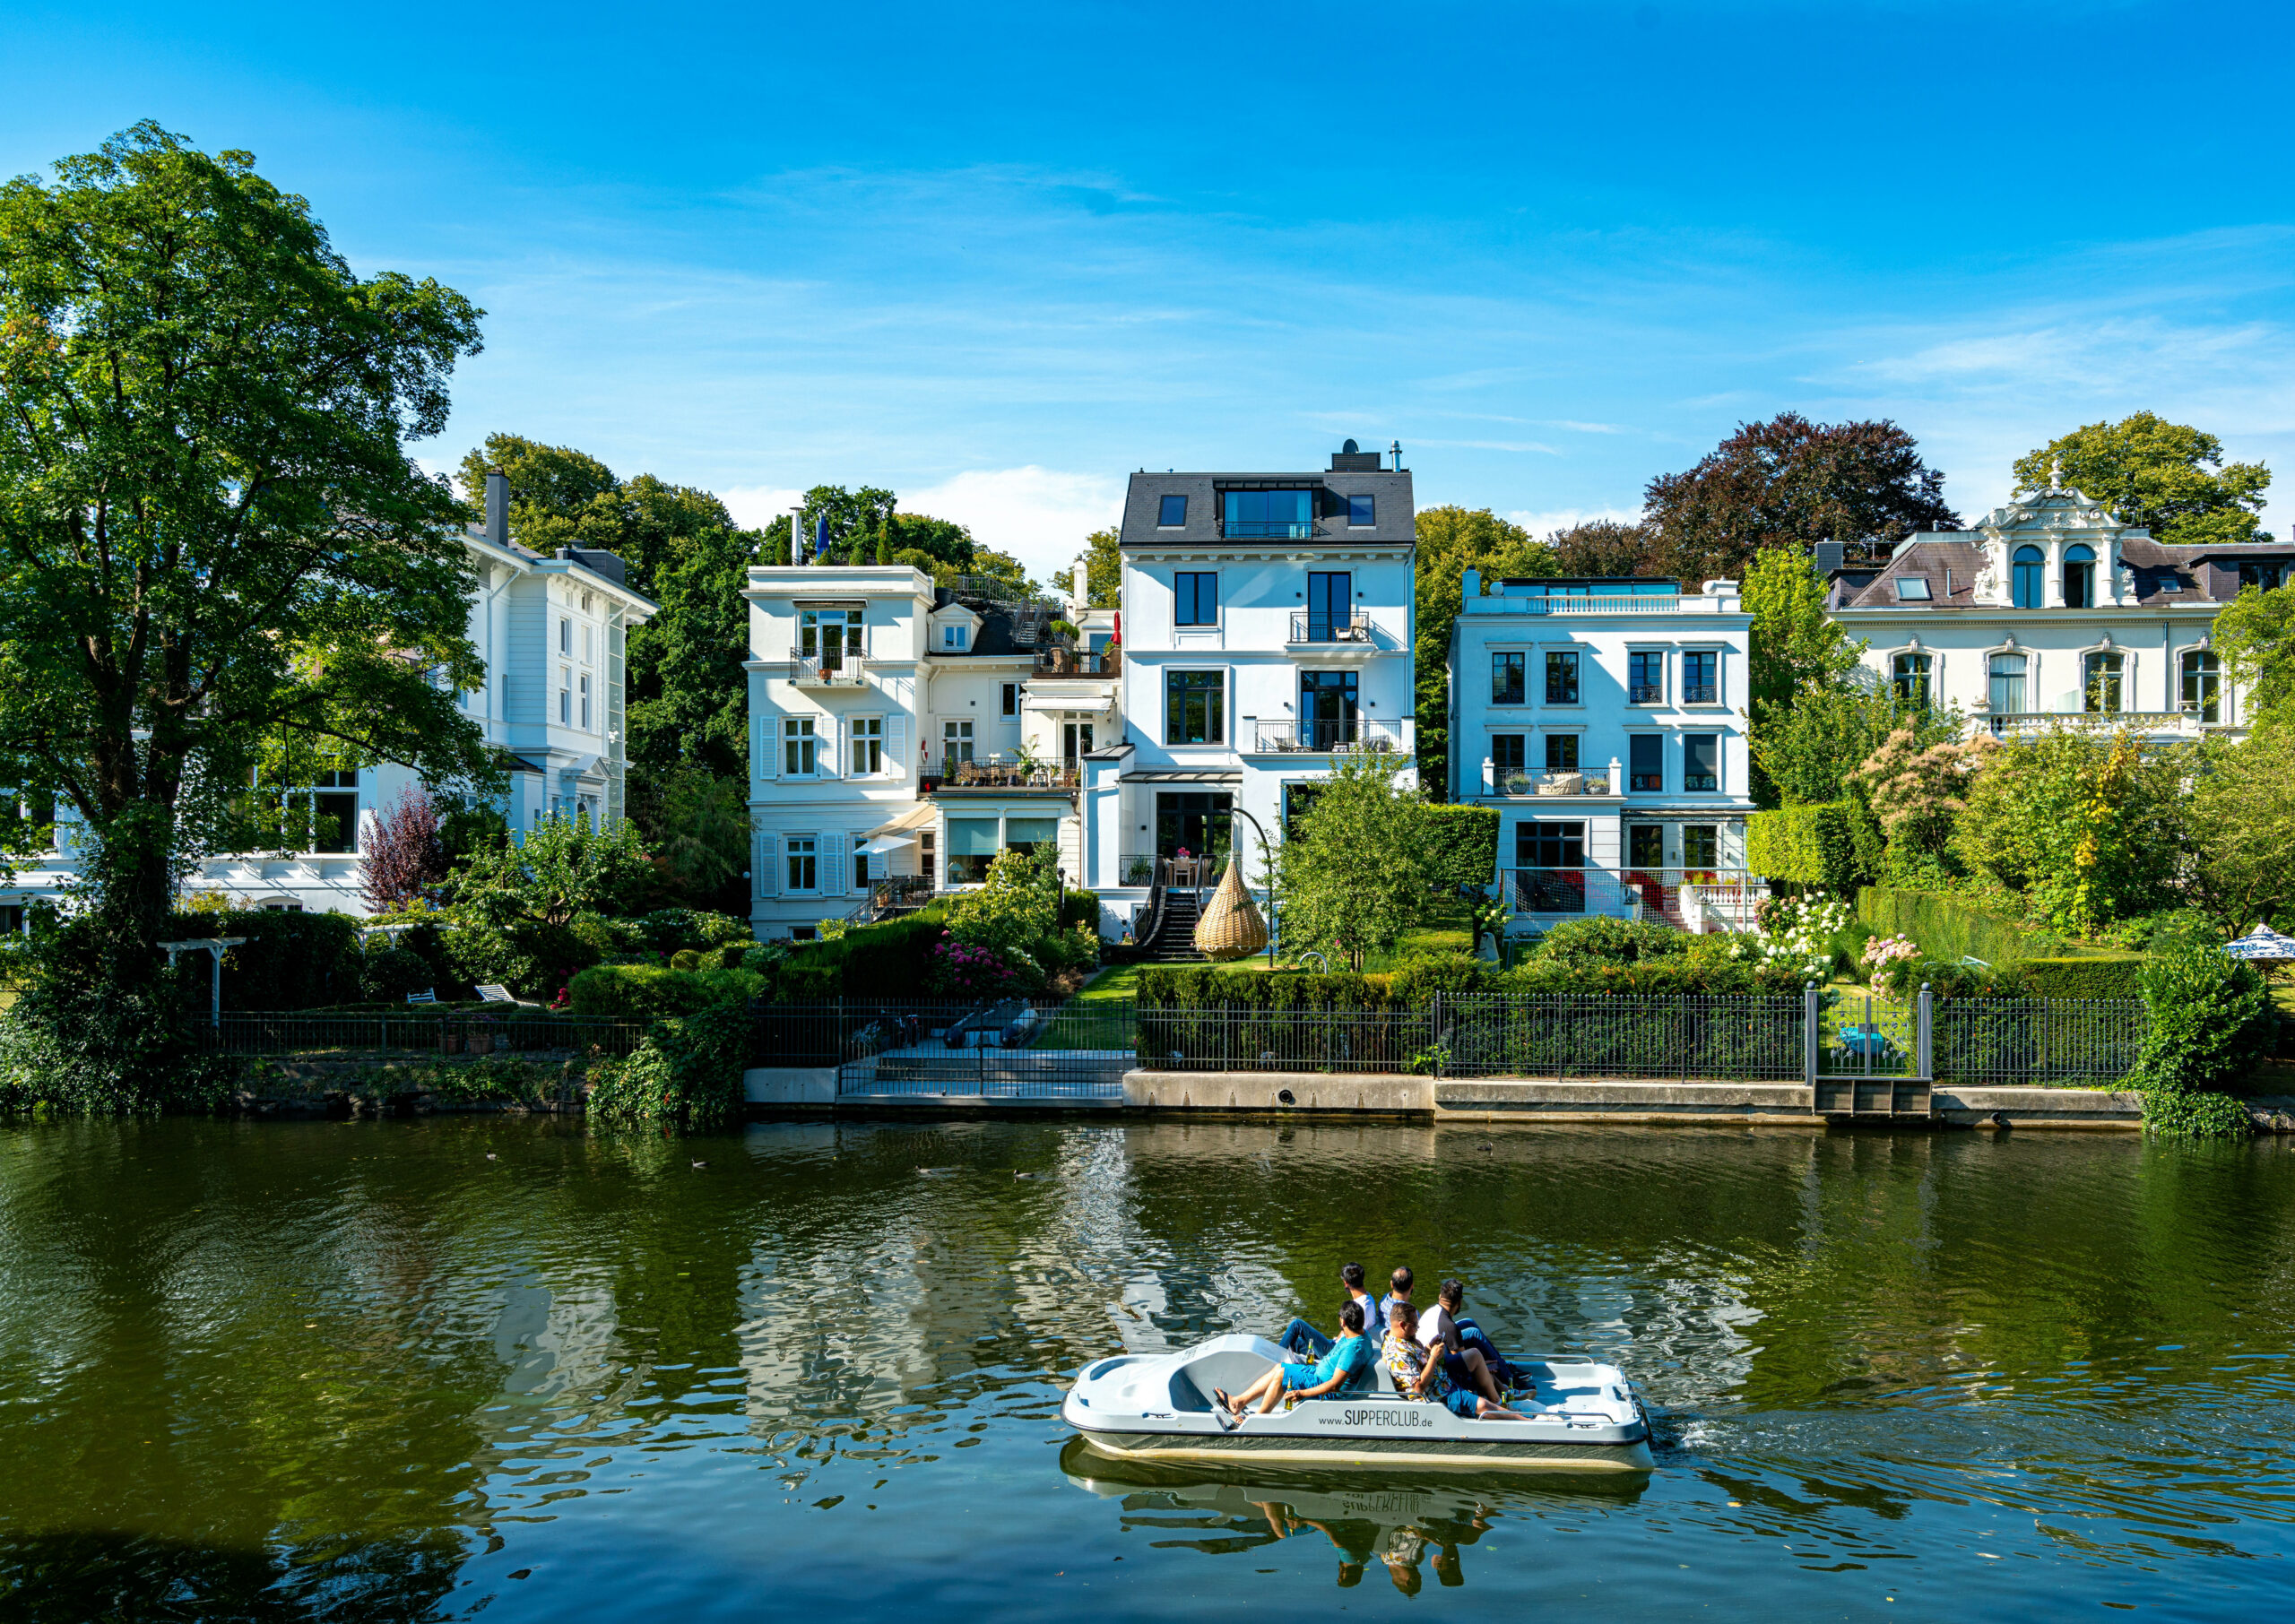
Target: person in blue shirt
1399 1283
1303 1343
1349 1363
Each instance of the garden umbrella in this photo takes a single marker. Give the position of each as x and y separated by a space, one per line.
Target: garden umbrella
2262 943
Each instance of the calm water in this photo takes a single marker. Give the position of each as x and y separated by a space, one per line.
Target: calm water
364 1372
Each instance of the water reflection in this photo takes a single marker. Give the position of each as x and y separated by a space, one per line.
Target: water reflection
1372 1519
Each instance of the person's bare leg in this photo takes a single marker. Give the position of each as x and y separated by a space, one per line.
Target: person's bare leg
1485 1410
1478 1370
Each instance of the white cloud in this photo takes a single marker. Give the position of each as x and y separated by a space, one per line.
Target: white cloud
755 506
1540 524
1039 515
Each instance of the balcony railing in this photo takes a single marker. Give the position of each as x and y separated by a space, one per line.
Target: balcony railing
1694 899
1000 773
1307 626
839 667
1347 734
1701 693
1267 529
1193 873
1551 783
1077 663
1651 603
2187 724
1645 693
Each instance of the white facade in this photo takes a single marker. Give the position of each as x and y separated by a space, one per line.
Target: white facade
551 632
901 732
2049 609
1605 722
1267 623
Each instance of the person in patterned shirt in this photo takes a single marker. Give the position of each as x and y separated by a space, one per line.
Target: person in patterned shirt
1417 1373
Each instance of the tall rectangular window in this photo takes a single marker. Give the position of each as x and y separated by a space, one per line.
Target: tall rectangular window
1701 677
804 863
868 745
1173 514
1645 761
2101 681
565 636
1506 758
1195 708
798 745
956 744
859 862
583 680
1700 760
565 694
1506 678
1330 605
1909 675
1195 595
1361 511
586 645
1561 752
2007 683
1701 847
1645 678
1011 699
2203 685
1562 677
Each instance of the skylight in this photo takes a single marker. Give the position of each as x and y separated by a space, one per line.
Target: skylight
1912 589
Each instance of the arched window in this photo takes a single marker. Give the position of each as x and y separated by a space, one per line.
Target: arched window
2102 673
2080 579
2007 685
2024 585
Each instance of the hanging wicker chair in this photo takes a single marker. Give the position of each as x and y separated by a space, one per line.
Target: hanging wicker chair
1231 927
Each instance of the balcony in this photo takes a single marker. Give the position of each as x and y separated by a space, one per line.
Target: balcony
1179 873
1644 604
1001 775
1322 738
1077 663
1308 626
1701 693
838 669
1696 900
1267 529
1645 693
2170 724
1552 784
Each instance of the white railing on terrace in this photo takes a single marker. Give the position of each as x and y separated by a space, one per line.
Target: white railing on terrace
2186 723
1617 603
1697 900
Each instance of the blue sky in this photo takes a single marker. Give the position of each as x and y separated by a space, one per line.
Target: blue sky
995 258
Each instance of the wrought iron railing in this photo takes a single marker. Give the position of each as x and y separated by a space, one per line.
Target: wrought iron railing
838 666
2043 1042
995 773
1078 662
1332 733
1311 626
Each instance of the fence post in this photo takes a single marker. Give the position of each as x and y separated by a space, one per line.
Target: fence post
1434 1031
1809 1041
1924 1056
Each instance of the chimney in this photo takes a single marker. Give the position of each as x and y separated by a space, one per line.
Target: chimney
1079 592
1827 556
497 507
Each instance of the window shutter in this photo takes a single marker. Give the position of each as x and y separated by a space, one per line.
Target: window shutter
896 745
774 875
831 874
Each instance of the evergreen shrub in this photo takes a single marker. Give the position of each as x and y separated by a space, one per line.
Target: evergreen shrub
2119 976
688 1070
1459 844
289 961
2210 1020
638 992
1815 845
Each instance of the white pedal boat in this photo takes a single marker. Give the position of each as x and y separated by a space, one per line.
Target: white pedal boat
1583 1417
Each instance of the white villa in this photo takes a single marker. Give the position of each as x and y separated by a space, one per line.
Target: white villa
2050 609
902 734
1266 625
551 631
1604 721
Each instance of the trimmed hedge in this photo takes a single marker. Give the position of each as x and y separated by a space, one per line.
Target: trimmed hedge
1190 987
2092 977
1459 844
289 961
1814 845
1951 927
890 960
1413 985
1080 908
637 992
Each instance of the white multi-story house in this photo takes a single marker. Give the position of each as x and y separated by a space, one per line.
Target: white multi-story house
1266 623
901 735
551 630
2048 609
1604 721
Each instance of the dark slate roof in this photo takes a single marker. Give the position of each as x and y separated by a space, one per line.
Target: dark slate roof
1396 525
1949 568
2159 572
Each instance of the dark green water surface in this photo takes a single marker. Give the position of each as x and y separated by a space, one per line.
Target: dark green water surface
433 1369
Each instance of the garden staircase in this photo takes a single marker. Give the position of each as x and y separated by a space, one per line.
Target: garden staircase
1173 941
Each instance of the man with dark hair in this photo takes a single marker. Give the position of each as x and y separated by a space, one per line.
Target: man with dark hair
1303 1343
1399 1283
1471 1340
1348 1361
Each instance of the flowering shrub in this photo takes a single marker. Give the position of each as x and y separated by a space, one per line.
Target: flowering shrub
1796 934
1883 951
969 971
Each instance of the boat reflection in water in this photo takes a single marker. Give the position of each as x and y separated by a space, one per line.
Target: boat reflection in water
1403 1524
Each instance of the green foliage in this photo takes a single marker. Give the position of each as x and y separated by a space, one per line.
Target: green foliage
1080 908
2242 828
892 959
1794 645
2086 830
530 957
1354 875
1805 845
2211 1021
2165 476
1598 939
72 1046
289 961
667 929
1955 928
215 546
1452 540
1787 484
1912 786
2089 976
688 1070
2255 636
387 974
1187 987
1459 844
638 992
1703 972
1102 570
1415 982
564 867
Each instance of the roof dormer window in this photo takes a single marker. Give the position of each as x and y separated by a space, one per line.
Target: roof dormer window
1912 589
955 638
2079 577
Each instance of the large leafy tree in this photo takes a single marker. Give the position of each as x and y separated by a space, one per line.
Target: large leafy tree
2149 472
1607 548
1790 483
1102 570
2243 828
1355 873
1452 540
2254 634
1802 661
214 545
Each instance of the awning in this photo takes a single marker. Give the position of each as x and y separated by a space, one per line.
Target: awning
885 845
916 817
1207 775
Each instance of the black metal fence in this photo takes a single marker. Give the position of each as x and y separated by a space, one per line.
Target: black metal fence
921 1049
325 1036
1561 1035
2044 1041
